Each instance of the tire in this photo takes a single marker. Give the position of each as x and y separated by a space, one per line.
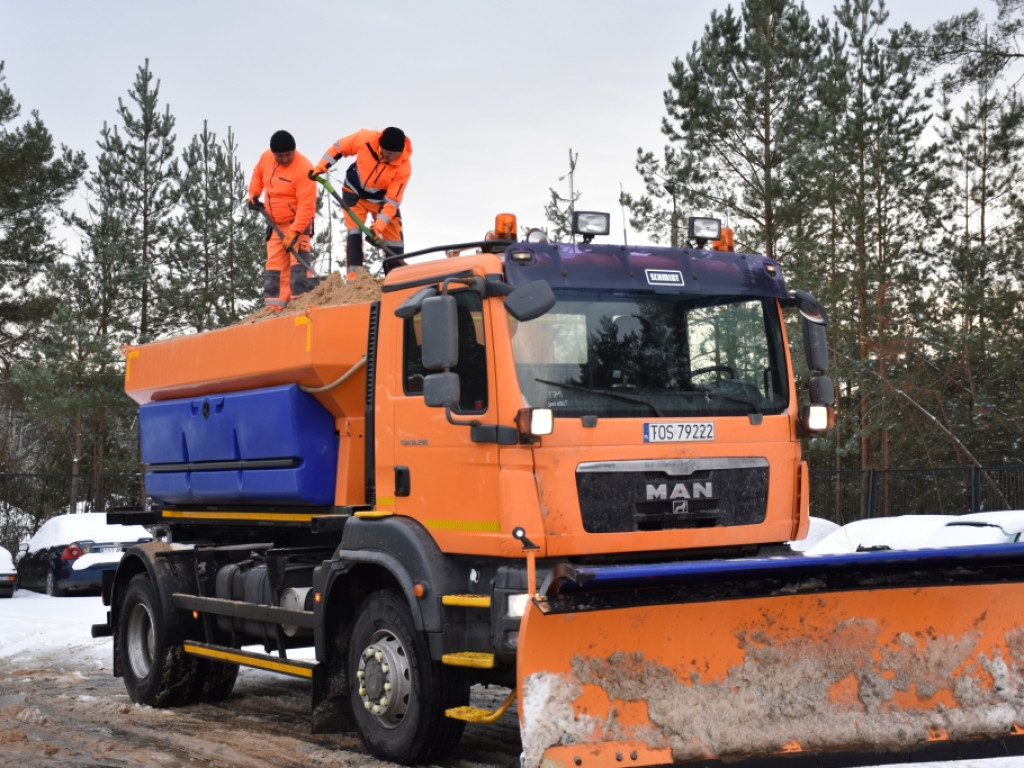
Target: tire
51 585
409 726
213 681
157 672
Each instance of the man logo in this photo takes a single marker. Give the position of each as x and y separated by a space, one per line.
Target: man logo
664 277
680 491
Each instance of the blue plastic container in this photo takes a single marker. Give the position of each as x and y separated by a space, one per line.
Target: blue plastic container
263 446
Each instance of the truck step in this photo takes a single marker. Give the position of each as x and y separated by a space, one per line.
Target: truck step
467 601
475 659
291 667
478 714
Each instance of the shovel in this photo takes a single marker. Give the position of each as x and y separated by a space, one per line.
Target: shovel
293 250
359 222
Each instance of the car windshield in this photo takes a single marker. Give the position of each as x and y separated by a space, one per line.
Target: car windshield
653 355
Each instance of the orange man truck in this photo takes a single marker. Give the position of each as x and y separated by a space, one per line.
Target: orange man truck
568 469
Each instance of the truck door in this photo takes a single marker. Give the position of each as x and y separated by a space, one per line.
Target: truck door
444 479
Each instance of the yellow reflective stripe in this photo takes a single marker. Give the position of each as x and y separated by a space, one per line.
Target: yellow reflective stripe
129 355
249 660
277 517
303 320
374 514
464 525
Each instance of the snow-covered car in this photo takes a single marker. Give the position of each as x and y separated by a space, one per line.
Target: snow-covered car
8 574
69 553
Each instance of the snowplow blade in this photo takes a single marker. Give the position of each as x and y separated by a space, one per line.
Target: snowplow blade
873 652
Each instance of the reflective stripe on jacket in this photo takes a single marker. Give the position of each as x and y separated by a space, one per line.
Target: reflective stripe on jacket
370 177
289 195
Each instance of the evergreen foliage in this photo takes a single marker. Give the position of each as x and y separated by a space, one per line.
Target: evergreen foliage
37 180
826 149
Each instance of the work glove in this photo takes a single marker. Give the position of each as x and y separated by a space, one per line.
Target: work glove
289 239
377 229
254 202
318 170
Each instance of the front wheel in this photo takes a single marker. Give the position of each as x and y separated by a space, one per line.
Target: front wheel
398 693
157 672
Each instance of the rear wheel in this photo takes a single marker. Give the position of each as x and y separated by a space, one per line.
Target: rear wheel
398 693
213 680
157 672
51 585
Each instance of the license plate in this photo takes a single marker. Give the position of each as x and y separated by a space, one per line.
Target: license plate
679 432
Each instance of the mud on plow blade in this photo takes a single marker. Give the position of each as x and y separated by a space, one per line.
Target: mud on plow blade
873 653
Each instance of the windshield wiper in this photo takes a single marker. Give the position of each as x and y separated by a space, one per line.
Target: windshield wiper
612 393
735 398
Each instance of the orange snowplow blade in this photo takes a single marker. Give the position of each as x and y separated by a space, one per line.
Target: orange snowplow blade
806 666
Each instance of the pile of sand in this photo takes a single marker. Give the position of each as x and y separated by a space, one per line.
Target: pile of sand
331 291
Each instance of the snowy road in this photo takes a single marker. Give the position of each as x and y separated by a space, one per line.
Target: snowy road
61 706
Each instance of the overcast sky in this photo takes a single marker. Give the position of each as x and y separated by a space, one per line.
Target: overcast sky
493 95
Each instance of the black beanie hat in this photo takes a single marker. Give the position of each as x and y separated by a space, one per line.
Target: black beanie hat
392 139
282 141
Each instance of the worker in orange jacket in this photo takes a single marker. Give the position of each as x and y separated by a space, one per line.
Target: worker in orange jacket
374 184
282 177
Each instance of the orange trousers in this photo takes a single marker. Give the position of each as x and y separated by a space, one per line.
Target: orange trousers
284 276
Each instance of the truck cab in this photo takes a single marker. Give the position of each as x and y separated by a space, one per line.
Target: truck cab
405 476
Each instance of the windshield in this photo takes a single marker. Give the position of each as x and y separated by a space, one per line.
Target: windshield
653 355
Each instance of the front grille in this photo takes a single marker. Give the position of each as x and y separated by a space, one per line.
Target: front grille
625 496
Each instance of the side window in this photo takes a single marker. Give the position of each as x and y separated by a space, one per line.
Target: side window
412 357
472 367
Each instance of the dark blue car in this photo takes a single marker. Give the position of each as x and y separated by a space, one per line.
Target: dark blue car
70 553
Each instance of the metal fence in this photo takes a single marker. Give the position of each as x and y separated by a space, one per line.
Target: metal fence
845 496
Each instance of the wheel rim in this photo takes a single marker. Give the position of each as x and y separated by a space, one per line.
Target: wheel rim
385 678
140 640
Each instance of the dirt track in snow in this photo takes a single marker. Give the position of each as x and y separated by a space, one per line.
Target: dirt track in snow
55 713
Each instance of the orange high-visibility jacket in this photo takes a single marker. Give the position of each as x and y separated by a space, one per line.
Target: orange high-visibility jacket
290 195
370 177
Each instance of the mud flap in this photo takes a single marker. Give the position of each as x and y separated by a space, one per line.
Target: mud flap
817 669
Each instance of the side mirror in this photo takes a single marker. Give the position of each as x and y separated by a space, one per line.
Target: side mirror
530 300
815 344
440 333
441 390
414 303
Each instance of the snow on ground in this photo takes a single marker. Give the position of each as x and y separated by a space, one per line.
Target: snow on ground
35 626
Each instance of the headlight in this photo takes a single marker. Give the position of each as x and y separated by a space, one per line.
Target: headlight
704 228
590 223
516 605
